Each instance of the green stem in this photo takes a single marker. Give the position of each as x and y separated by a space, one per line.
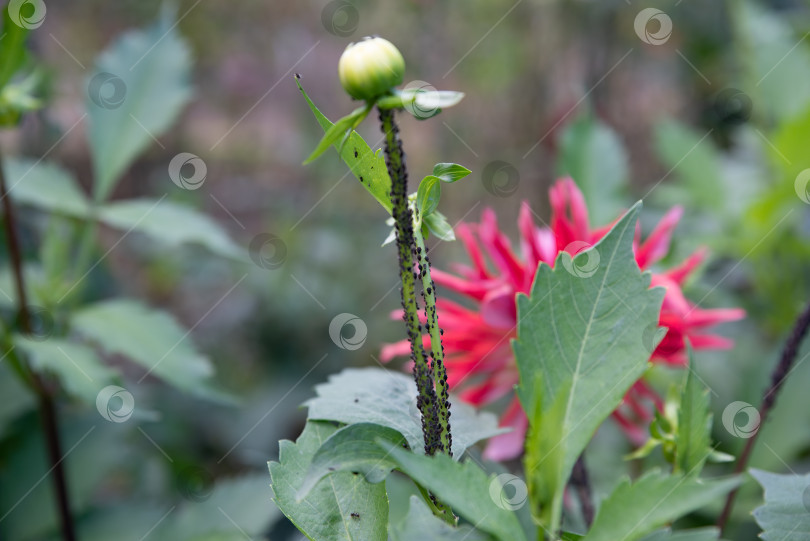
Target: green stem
403 225
436 346
426 399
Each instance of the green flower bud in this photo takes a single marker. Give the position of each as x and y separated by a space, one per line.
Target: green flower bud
370 68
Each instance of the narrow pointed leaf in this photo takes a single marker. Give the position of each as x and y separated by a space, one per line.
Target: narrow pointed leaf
420 524
693 441
428 194
365 164
339 131
450 172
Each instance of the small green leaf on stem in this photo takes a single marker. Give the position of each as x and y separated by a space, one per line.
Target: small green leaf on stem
342 128
437 224
450 172
427 197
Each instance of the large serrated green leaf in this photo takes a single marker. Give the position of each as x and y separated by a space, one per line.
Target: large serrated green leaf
634 510
369 167
353 448
46 186
387 398
341 507
151 338
170 224
154 66
463 486
421 524
786 513
582 328
78 367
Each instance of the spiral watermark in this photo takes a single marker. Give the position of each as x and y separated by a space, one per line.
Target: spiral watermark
355 338
500 178
268 251
188 171
40 323
107 90
645 23
340 18
106 404
732 106
195 483
418 107
652 335
802 186
741 430
508 492
582 260
28 14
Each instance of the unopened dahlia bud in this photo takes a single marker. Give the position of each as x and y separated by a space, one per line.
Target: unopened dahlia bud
370 68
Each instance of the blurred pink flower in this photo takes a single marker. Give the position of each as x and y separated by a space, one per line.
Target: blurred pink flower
480 365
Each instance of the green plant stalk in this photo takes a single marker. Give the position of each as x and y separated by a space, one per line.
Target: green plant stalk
436 346
47 407
403 224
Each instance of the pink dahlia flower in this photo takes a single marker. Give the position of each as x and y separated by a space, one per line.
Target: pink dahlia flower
480 365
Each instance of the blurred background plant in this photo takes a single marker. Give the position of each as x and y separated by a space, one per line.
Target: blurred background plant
704 104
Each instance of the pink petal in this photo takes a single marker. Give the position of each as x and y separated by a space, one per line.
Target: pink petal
657 244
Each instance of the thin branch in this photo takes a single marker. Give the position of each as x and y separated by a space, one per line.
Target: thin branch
47 408
778 378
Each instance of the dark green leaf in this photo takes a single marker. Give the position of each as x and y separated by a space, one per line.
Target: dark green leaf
465 488
450 172
634 510
341 507
387 398
139 86
574 310
353 448
427 197
786 513
366 165
422 525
